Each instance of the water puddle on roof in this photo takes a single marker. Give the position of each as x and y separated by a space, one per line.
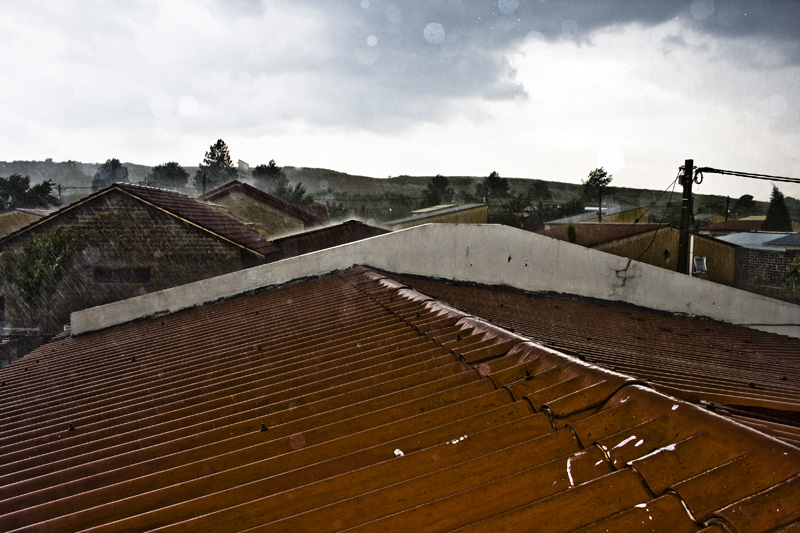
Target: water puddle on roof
457 440
569 472
398 453
668 448
623 443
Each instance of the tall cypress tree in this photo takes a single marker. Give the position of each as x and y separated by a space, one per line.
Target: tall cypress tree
778 217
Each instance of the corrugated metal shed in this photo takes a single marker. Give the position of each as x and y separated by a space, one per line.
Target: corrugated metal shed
349 401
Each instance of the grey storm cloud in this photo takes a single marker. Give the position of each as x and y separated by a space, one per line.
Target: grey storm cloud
406 61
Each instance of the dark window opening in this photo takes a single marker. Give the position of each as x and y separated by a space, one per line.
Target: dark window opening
121 275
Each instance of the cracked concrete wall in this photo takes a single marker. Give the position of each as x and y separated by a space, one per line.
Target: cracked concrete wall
485 254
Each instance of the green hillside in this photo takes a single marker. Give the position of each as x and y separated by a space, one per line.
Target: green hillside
383 199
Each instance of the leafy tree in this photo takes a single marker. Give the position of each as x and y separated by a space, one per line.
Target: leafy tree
216 169
594 184
169 174
267 176
16 191
109 172
297 195
778 217
337 211
36 271
493 186
540 190
437 192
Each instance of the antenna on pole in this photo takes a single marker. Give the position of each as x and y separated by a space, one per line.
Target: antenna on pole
686 217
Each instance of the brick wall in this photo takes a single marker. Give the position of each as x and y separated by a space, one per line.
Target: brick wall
115 231
763 272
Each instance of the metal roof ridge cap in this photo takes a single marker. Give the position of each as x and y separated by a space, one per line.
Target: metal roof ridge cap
479 326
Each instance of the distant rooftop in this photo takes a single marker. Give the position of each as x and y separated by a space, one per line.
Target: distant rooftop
755 240
428 212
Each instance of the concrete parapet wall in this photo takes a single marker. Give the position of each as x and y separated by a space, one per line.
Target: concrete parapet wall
485 254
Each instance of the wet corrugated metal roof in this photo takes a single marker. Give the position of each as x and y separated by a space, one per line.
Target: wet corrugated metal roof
350 401
699 360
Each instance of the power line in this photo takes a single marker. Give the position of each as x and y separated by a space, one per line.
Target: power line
671 185
666 210
699 172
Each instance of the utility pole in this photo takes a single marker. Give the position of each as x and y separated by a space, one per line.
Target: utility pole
686 217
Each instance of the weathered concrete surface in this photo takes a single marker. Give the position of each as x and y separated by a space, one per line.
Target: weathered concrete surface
486 254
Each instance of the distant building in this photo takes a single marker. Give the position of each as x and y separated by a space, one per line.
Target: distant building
443 214
609 215
325 237
132 240
11 221
654 244
272 216
762 259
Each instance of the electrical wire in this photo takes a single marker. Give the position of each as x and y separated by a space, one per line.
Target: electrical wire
699 171
661 222
671 185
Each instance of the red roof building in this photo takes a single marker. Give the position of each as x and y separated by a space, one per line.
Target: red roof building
316 397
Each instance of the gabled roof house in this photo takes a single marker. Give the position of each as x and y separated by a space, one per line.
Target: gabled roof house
422 391
271 216
132 240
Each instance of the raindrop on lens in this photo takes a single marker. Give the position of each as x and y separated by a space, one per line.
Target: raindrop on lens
507 7
434 33
570 28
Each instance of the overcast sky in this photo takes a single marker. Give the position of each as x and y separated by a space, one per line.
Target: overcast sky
546 89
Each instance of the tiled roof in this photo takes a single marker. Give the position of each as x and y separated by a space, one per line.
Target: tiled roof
182 207
200 215
350 401
313 215
735 225
591 234
327 237
753 373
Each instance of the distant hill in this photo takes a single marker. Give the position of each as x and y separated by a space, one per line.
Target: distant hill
381 199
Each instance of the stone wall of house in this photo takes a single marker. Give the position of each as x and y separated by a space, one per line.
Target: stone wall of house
126 248
763 271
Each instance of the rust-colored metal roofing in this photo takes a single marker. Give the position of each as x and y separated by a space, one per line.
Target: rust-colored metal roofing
591 234
350 401
752 374
327 237
313 215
